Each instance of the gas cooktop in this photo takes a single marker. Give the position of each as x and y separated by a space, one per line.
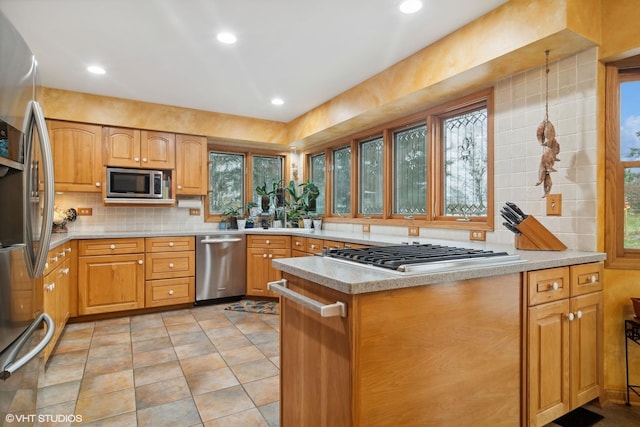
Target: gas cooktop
420 258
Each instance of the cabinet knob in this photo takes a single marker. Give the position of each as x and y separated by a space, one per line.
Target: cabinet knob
594 279
65 271
63 253
144 160
268 242
170 265
46 265
313 246
298 243
170 244
171 292
579 314
264 255
98 184
270 256
570 316
179 187
68 250
54 258
555 286
140 261
112 247
346 246
136 159
50 287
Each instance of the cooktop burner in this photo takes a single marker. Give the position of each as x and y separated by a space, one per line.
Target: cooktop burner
426 257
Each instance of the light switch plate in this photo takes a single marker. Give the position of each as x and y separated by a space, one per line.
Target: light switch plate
554 204
413 230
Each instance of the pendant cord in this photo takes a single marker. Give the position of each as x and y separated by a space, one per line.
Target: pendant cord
546 102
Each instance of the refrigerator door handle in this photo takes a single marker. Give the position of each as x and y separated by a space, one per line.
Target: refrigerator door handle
12 352
36 117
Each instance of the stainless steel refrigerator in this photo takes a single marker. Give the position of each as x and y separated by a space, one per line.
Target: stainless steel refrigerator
26 213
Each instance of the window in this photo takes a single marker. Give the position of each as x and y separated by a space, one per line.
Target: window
410 171
465 164
342 181
371 190
234 176
433 167
622 165
226 181
266 170
317 175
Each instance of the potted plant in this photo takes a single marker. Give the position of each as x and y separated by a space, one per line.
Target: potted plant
310 193
230 216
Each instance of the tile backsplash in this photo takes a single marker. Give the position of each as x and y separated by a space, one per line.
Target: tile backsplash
519 108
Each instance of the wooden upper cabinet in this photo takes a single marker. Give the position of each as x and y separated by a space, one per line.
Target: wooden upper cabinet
77 156
134 148
191 165
122 147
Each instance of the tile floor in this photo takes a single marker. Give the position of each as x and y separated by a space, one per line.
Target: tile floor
203 366
196 367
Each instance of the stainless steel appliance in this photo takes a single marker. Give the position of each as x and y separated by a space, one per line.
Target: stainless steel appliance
134 183
220 267
417 258
26 214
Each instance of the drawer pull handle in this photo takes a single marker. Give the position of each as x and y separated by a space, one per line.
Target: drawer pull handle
54 258
225 240
555 286
65 271
594 279
171 292
136 159
112 247
144 160
313 246
170 265
68 250
325 310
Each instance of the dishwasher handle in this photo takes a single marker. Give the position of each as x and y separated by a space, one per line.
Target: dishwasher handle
224 240
325 310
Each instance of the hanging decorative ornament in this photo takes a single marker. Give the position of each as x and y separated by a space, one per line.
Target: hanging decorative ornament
546 135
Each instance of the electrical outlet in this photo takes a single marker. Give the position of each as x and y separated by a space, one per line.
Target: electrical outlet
85 211
366 228
478 235
413 230
554 204
194 211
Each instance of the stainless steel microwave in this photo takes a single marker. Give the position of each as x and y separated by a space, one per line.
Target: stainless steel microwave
134 183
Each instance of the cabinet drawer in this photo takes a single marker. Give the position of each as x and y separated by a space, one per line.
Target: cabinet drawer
332 244
269 241
56 256
586 278
167 265
110 246
314 246
548 285
299 243
169 244
169 291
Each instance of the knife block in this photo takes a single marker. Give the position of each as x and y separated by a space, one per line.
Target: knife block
534 236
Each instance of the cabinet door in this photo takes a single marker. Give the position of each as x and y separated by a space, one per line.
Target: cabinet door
110 283
191 165
63 288
77 156
49 306
157 150
548 362
122 147
258 264
586 348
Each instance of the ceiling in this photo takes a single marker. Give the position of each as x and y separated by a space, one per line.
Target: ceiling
165 51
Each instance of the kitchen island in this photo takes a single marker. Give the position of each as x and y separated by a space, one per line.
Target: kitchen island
444 348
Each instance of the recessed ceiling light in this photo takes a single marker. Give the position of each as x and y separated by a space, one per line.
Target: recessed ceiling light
277 101
96 69
227 38
410 6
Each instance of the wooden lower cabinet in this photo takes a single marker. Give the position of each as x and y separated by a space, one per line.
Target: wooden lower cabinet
170 270
109 283
56 285
565 363
437 355
261 250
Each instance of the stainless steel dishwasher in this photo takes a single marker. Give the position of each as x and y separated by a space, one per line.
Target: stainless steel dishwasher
221 268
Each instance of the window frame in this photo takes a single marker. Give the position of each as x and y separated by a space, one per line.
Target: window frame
249 186
617 256
434 217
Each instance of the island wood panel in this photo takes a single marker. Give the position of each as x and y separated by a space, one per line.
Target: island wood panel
438 355
316 358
